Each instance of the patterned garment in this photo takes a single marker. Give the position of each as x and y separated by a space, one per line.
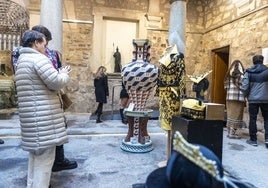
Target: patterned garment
171 88
234 93
14 57
51 54
54 58
139 76
235 114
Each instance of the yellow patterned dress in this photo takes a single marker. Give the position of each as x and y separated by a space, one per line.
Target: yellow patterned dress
171 88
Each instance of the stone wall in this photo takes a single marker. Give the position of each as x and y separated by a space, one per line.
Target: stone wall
243 28
215 24
245 32
209 25
77 52
225 24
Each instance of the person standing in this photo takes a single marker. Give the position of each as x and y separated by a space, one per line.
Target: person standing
101 90
235 101
124 102
255 87
2 141
60 163
41 116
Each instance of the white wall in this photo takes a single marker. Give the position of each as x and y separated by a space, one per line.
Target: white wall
118 34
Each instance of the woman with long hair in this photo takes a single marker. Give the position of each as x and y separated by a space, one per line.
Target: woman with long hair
235 100
101 90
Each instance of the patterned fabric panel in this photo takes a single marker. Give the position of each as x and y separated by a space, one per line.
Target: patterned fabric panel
168 107
171 88
139 98
140 76
191 113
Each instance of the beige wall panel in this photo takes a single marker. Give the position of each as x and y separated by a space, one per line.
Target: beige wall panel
118 34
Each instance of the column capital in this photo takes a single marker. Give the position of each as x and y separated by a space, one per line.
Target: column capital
172 1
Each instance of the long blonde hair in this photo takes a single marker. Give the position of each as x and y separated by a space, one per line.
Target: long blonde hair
100 72
234 72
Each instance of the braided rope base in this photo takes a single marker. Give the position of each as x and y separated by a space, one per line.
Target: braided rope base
137 148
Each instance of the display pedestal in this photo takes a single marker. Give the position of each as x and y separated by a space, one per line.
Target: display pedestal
137 139
208 133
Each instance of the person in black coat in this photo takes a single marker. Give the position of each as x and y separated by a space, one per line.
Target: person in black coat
101 90
124 102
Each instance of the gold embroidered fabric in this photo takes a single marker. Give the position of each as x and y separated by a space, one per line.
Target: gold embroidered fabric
171 87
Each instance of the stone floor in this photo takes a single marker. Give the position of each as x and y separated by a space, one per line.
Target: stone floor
103 164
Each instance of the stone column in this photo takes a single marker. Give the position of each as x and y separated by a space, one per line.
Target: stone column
154 20
177 24
51 17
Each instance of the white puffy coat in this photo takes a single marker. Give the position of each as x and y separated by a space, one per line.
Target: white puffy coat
41 116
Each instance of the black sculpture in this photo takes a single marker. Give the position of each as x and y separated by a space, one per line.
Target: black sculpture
200 84
117 61
200 88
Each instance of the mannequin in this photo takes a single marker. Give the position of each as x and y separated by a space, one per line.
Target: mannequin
171 88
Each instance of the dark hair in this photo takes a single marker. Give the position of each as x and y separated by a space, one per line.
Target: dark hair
44 30
257 59
30 36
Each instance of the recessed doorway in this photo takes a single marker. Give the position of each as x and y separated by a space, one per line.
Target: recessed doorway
220 63
118 34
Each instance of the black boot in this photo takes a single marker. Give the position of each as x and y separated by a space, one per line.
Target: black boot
124 119
2 141
62 163
99 112
98 118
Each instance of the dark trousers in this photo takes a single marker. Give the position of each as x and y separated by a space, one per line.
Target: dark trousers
99 109
253 109
59 155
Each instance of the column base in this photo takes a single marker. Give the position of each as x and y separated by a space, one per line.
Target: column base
137 147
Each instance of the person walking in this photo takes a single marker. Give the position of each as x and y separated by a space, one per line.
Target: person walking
41 116
124 102
255 87
101 90
235 101
2 141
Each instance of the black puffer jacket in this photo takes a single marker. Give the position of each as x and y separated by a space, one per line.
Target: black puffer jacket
255 84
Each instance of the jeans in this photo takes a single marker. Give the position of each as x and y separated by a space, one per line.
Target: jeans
39 168
253 109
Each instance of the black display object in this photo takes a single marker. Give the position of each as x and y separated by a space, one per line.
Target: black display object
208 133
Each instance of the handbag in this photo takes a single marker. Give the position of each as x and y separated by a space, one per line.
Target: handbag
65 100
193 108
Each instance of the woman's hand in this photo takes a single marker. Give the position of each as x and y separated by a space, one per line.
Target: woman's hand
67 69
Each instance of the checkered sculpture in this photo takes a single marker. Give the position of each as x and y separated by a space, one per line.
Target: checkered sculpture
140 78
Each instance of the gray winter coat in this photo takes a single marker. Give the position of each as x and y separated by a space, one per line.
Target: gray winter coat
41 116
255 84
